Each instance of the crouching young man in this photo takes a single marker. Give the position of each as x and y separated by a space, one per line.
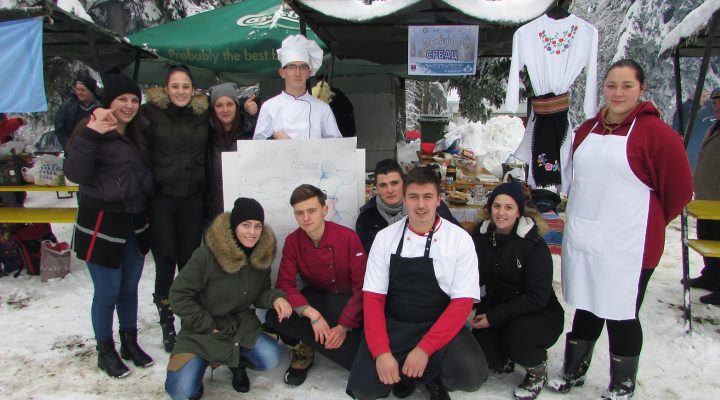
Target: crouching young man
331 262
420 284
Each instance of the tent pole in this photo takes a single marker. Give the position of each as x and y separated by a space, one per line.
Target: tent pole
136 67
678 93
687 311
331 69
701 76
91 41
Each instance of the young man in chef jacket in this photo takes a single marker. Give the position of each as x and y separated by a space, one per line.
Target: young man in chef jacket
295 113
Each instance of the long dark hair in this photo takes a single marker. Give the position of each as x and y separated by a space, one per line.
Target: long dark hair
226 137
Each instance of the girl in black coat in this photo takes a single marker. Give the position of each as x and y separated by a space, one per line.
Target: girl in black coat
519 316
111 231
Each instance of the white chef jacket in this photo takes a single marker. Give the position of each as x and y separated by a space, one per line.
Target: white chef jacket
452 250
304 117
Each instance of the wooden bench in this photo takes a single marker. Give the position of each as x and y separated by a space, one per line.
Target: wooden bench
705 209
38 214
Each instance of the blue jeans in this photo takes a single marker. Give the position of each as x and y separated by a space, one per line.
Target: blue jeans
116 287
185 382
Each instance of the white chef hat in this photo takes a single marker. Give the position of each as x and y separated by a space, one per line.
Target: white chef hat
299 48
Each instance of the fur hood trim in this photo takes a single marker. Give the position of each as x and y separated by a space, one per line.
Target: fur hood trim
158 97
532 218
220 241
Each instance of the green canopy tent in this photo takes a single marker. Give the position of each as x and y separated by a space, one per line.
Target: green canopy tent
236 43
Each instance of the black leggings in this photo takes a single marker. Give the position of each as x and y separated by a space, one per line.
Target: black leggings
176 225
625 336
463 367
298 329
710 230
523 340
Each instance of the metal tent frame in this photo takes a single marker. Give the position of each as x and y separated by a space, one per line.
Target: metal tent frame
705 44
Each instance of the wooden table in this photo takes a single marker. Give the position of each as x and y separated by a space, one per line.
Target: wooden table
38 214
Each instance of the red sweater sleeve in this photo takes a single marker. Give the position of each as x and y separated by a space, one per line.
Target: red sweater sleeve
657 157
288 271
447 326
351 316
375 325
8 127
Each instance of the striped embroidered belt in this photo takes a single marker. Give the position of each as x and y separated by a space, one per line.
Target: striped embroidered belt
551 105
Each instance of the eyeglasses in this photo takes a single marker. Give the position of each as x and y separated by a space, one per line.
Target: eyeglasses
295 67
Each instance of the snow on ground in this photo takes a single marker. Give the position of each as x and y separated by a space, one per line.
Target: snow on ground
47 346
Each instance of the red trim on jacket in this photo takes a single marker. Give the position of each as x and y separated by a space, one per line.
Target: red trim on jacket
94 236
657 156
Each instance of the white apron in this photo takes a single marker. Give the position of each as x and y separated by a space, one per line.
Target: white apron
604 238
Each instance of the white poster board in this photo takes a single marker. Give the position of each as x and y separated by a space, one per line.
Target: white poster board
269 170
442 50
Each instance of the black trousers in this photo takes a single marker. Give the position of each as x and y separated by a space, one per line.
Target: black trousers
625 336
463 367
524 340
710 230
298 329
176 225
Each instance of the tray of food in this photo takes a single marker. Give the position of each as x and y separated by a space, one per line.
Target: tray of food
457 198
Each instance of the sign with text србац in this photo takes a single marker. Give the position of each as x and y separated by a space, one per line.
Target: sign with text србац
442 50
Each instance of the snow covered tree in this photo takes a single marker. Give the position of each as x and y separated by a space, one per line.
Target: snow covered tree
484 90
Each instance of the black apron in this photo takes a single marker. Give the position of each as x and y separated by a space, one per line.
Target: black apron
413 303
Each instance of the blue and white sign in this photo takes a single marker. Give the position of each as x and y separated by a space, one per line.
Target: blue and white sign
23 83
442 50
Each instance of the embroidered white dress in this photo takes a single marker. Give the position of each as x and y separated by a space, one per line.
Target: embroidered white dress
554 52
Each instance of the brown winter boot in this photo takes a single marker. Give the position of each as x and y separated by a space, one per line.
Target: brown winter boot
301 359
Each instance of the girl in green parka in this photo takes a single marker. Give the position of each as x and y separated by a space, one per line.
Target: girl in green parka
215 296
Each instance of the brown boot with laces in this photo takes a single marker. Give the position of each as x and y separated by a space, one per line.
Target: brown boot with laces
301 359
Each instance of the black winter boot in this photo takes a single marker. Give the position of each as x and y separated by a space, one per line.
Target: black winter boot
130 350
240 380
535 378
167 322
437 390
623 372
109 360
578 354
404 388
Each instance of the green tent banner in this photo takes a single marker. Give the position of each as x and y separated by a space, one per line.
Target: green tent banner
241 37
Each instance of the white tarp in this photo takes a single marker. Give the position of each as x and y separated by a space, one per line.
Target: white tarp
506 11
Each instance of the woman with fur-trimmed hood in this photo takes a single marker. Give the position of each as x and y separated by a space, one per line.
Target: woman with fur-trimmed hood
519 316
215 296
174 144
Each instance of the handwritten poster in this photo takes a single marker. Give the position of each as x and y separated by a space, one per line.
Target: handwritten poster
269 170
442 50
